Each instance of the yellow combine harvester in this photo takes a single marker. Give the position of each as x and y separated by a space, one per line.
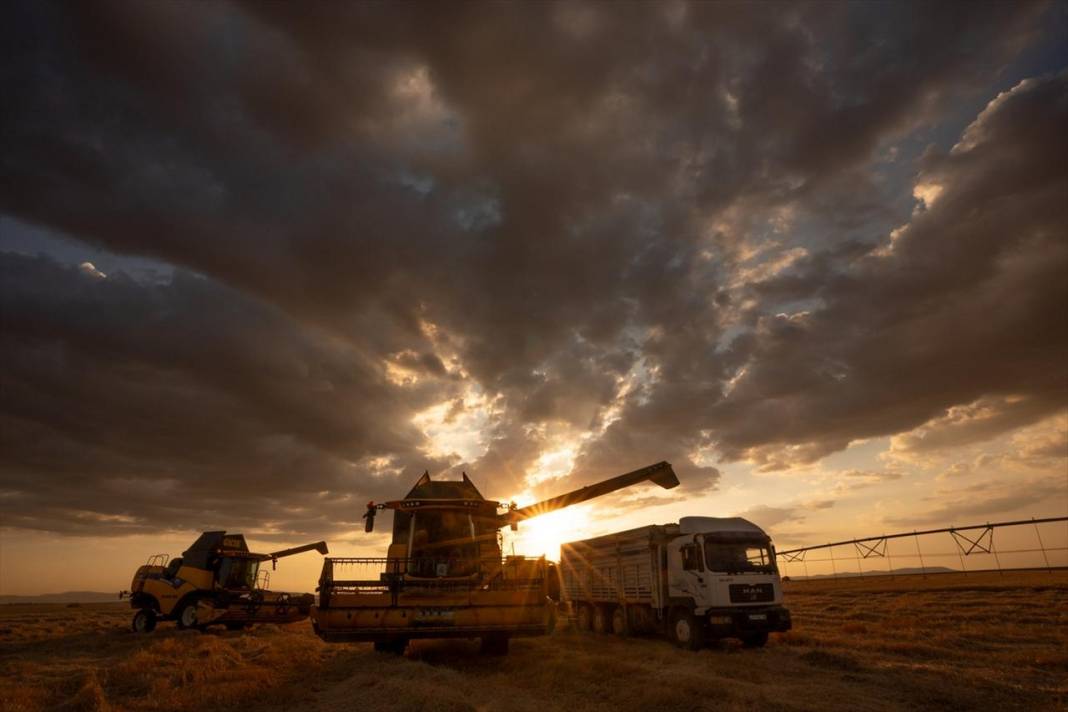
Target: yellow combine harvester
444 575
216 581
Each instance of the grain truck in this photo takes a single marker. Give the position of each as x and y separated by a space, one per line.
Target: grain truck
444 575
700 579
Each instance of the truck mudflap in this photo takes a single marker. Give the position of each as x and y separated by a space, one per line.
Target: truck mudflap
725 622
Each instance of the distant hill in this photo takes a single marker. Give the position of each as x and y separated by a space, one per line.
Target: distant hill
66 597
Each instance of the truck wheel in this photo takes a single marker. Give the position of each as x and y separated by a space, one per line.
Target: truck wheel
584 618
755 640
187 615
600 620
619 621
495 644
687 630
144 621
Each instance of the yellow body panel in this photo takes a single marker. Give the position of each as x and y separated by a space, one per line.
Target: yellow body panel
167 595
200 578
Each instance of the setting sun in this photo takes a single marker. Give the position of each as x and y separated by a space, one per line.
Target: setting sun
543 535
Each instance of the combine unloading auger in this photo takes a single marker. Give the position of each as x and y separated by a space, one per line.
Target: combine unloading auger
444 574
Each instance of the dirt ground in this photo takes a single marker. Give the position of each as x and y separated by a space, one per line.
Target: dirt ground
988 642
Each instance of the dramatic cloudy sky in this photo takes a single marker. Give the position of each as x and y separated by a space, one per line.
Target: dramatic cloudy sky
261 263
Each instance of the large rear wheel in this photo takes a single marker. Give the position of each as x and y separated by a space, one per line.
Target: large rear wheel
144 621
687 630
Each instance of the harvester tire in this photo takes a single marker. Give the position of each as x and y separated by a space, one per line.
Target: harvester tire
236 625
495 644
583 618
687 630
187 615
144 621
394 646
601 620
755 640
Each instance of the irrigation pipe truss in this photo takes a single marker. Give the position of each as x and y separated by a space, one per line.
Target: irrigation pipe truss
966 539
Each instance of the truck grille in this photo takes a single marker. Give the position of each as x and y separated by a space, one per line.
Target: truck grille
751 592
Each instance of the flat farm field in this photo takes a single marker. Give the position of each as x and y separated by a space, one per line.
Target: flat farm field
982 642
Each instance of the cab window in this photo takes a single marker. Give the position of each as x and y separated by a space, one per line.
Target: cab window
691 559
739 557
235 572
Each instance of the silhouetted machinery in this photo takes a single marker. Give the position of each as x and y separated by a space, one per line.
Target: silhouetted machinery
217 580
444 575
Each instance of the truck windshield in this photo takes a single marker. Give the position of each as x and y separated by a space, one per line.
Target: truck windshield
238 572
738 557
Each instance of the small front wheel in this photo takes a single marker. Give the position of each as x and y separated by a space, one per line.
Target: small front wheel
187 615
144 621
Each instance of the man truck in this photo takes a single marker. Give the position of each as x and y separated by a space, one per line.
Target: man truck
700 579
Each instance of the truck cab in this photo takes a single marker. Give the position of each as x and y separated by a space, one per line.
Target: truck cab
724 570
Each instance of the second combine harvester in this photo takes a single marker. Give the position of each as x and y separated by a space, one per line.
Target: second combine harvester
444 575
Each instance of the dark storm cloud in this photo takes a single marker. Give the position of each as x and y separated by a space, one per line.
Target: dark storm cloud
969 300
132 406
558 203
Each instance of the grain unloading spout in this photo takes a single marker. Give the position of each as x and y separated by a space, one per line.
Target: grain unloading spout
660 474
319 546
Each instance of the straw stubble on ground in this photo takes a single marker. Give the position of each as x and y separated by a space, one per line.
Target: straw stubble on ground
989 642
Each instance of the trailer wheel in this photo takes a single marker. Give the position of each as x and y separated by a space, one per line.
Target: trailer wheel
600 620
144 621
584 618
619 621
687 630
755 640
495 644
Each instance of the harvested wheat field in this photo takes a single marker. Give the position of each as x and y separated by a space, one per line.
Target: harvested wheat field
976 642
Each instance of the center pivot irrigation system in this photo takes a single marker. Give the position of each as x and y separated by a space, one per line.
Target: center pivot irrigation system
972 541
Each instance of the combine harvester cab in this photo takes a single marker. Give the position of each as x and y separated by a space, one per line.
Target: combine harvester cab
216 581
444 575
